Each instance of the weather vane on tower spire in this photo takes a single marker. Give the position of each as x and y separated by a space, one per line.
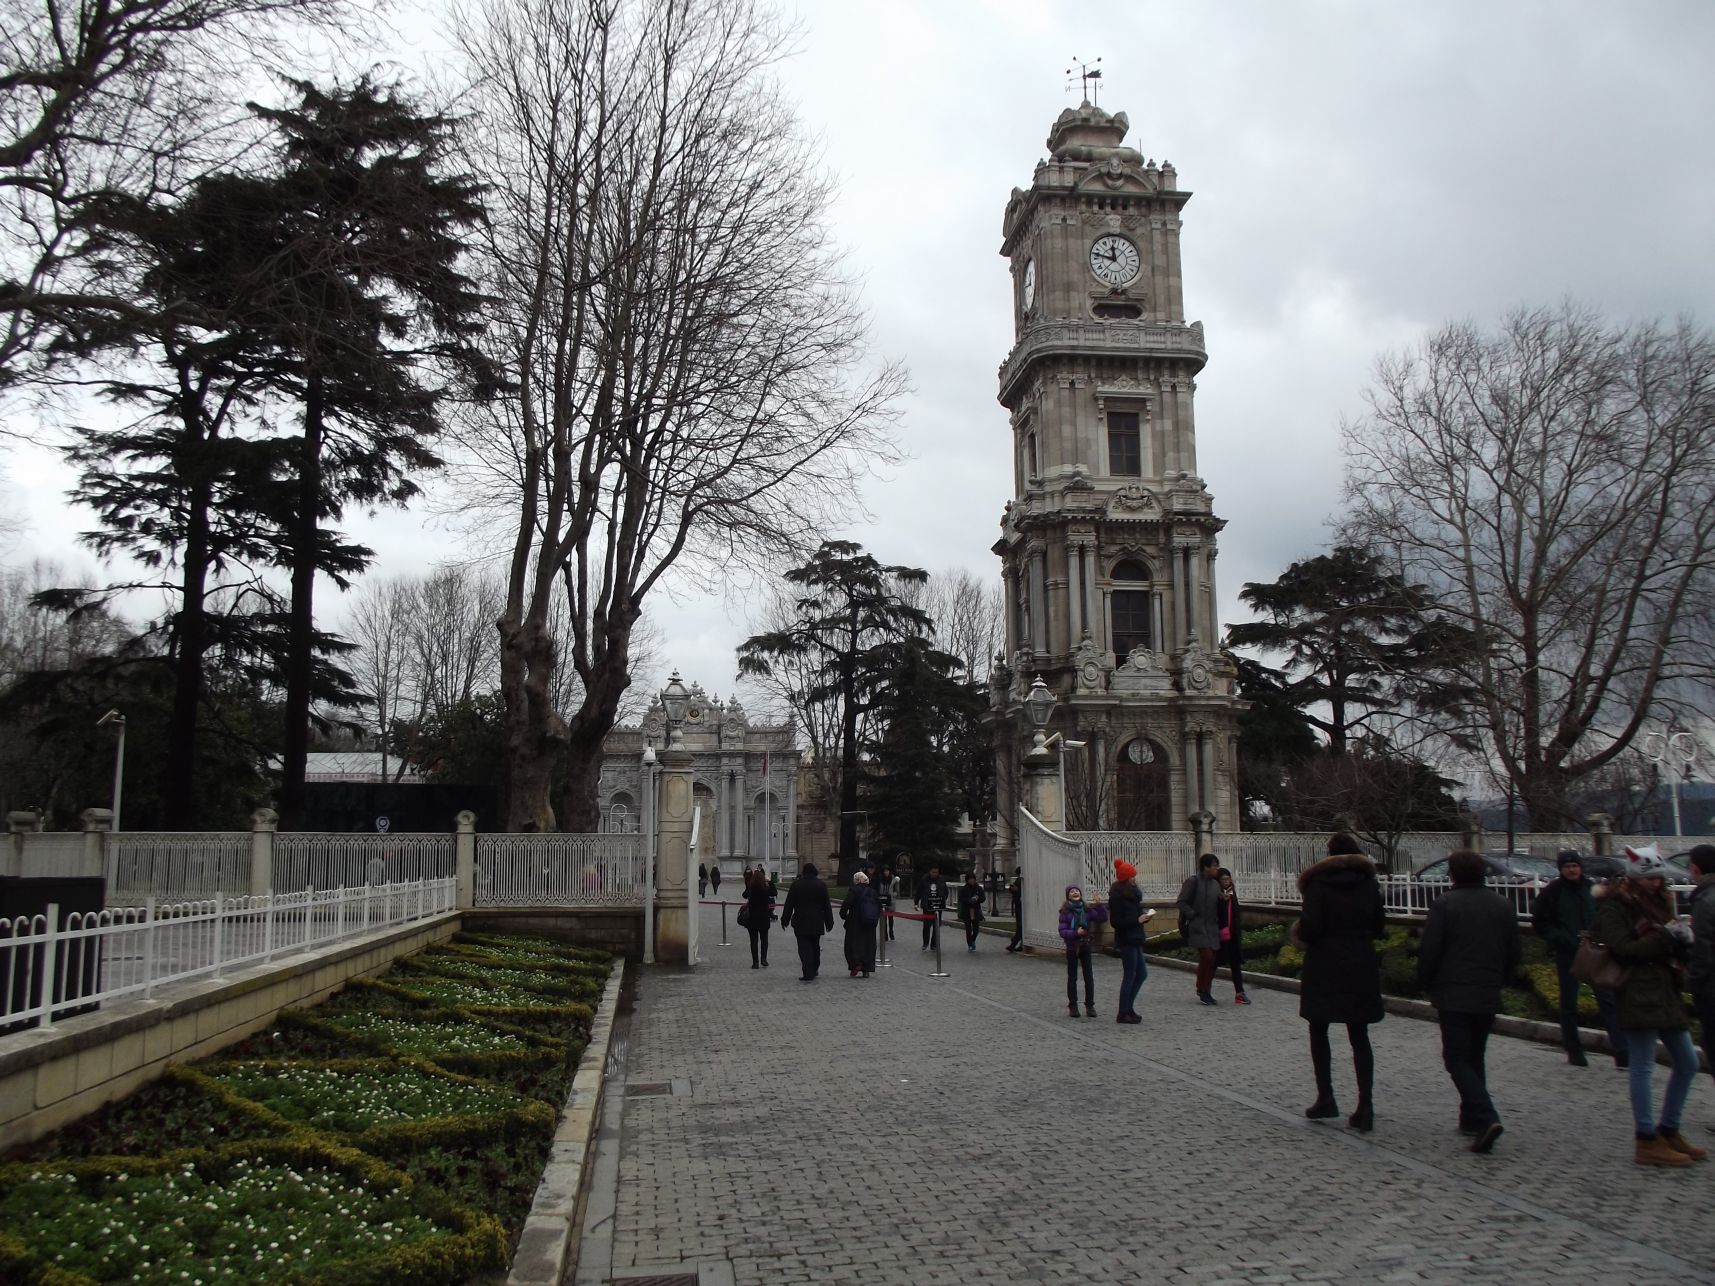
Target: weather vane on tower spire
1090 74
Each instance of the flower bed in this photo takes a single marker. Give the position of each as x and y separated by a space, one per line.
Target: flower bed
386 1137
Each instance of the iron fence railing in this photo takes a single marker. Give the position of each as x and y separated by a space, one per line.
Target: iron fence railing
51 965
559 870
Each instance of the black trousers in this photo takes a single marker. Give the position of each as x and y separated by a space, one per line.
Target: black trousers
1363 1059
1017 926
1606 1010
758 945
1073 959
971 931
1464 1039
810 953
887 918
1704 1003
931 928
1232 954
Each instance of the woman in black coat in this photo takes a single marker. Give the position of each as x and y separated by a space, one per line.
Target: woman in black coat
1342 980
862 912
758 915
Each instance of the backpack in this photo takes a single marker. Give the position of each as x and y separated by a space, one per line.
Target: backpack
867 910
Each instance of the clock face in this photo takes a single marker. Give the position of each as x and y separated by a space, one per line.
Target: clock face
1113 259
1029 282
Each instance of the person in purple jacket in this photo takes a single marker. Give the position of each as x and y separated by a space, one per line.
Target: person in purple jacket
1078 921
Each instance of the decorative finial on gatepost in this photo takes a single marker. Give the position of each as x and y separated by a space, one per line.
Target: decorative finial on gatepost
1089 76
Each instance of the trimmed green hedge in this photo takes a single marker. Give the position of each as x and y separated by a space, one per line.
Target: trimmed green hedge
335 1147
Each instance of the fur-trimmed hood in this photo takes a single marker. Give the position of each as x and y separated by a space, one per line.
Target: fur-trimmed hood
1342 868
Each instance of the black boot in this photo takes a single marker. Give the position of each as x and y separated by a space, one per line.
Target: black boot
1072 1008
1324 1108
1364 1119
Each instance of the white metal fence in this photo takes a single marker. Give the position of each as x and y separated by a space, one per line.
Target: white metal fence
48 968
169 864
559 870
328 861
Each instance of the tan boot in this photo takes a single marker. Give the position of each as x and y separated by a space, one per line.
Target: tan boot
1678 1142
1658 1151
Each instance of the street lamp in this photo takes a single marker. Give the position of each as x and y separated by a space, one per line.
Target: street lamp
675 700
649 854
118 720
1665 748
1040 704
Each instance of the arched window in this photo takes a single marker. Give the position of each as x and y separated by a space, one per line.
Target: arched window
1142 793
1129 607
622 817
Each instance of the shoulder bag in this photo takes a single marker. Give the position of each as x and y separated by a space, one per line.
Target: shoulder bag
1595 964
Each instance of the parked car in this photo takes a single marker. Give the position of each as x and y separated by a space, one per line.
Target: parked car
1519 876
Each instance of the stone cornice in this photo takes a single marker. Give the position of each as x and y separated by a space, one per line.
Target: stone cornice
1099 339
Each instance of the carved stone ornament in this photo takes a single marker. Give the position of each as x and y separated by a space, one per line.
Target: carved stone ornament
1134 497
1087 666
1142 671
1195 668
1022 661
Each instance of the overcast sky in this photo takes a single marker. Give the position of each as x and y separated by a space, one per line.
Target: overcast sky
1362 173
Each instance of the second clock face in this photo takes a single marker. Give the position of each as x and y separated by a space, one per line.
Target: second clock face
1113 259
1029 282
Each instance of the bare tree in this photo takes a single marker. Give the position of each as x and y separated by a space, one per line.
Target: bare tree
969 616
107 97
455 651
379 622
681 338
1550 483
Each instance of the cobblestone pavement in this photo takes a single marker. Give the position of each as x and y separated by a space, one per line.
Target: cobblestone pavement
964 1129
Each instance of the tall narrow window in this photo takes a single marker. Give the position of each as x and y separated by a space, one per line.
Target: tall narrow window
1125 451
1033 462
1129 607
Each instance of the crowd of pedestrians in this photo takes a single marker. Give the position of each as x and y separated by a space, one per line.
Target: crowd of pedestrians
1626 939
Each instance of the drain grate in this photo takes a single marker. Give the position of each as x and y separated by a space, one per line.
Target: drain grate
646 1089
670 1279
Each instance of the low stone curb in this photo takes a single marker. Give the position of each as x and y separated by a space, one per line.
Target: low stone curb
544 1249
1505 1024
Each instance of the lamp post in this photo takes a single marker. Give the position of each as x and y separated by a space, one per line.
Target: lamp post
675 700
118 720
1039 702
649 854
1664 749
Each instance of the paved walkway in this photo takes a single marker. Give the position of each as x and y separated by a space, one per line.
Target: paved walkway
913 1129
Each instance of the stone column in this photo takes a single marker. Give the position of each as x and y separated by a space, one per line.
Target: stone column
1039 603
790 839
673 862
1203 827
1042 787
1188 755
1074 595
1470 832
1177 638
263 823
1214 635
1601 834
97 824
464 858
18 824
1206 770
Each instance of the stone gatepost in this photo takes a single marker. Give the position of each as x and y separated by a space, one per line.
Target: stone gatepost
1471 832
18 824
673 859
1203 829
97 822
263 823
1601 834
1042 787
464 858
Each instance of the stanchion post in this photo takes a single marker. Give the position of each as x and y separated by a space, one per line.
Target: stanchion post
724 942
934 910
881 960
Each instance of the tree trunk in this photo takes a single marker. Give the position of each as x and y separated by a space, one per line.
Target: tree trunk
589 728
190 641
300 638
535 733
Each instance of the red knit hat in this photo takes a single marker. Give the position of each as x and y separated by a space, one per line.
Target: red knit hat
1124 870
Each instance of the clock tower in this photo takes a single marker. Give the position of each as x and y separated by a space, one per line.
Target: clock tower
1108 544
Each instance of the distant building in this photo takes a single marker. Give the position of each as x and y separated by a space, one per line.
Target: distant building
744 779
358 766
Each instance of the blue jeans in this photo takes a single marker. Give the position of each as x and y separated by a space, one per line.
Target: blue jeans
1132 973
1642 1047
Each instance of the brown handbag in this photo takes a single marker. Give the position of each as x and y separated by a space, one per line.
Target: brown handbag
1595 964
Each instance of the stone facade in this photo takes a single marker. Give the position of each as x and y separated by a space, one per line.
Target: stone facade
1108 545
744 777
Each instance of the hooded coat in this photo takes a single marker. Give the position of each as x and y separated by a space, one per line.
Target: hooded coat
1125 913
1093 915
1343 916
1629 924
1199 905
861 911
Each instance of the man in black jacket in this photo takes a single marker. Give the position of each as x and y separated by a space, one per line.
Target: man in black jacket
932 900
1469 950
808 903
